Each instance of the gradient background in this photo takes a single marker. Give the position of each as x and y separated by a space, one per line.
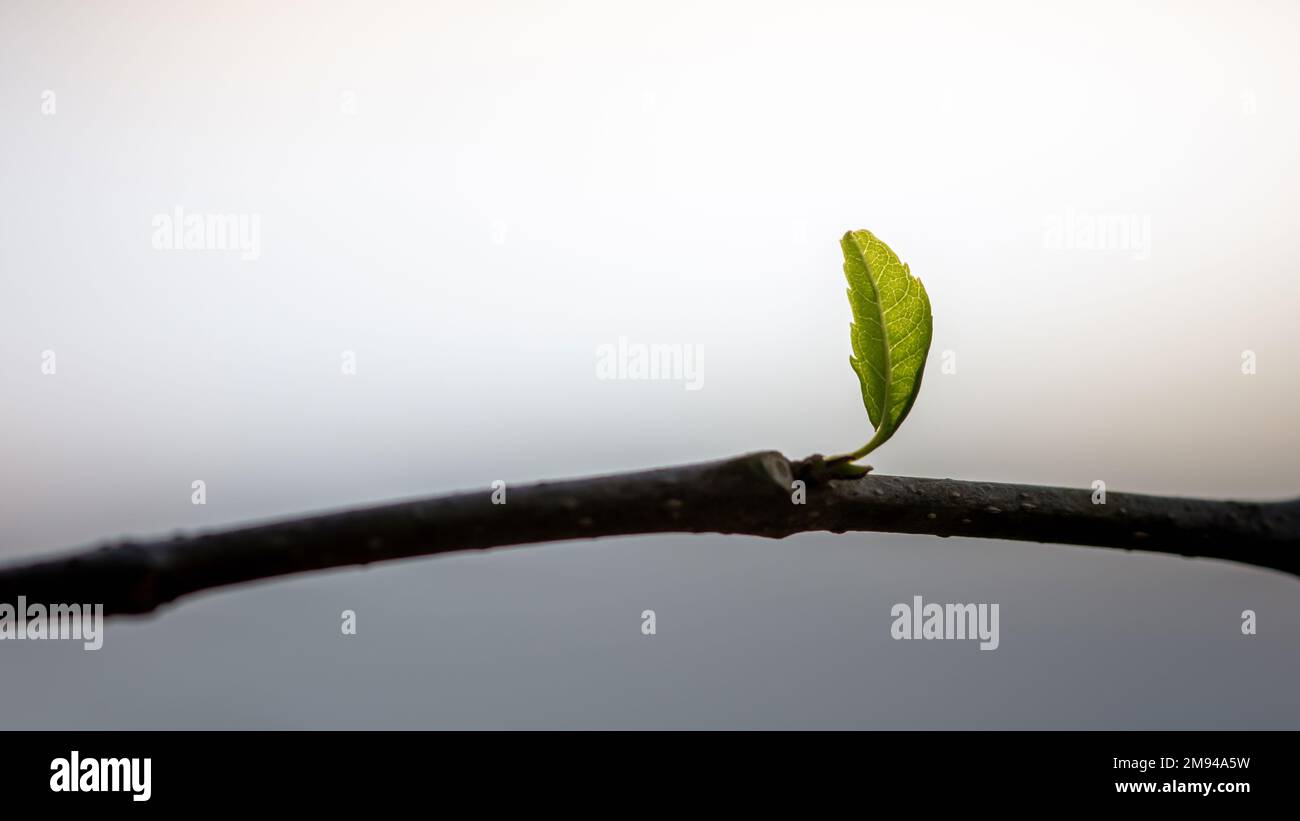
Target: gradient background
524 181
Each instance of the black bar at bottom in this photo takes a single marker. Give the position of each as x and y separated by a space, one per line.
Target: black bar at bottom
436 771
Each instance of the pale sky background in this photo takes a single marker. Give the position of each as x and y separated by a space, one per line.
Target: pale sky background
474 196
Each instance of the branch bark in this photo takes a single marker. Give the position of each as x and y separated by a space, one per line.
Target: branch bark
748 494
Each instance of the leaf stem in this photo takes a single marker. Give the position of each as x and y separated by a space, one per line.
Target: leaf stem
882 433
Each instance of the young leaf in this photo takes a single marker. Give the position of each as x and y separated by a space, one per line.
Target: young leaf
891 333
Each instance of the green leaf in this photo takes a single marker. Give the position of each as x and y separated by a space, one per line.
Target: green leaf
891 333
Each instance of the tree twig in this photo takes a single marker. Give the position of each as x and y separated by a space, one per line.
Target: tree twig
751 494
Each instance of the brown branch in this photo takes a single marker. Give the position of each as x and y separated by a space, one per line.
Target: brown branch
750 494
